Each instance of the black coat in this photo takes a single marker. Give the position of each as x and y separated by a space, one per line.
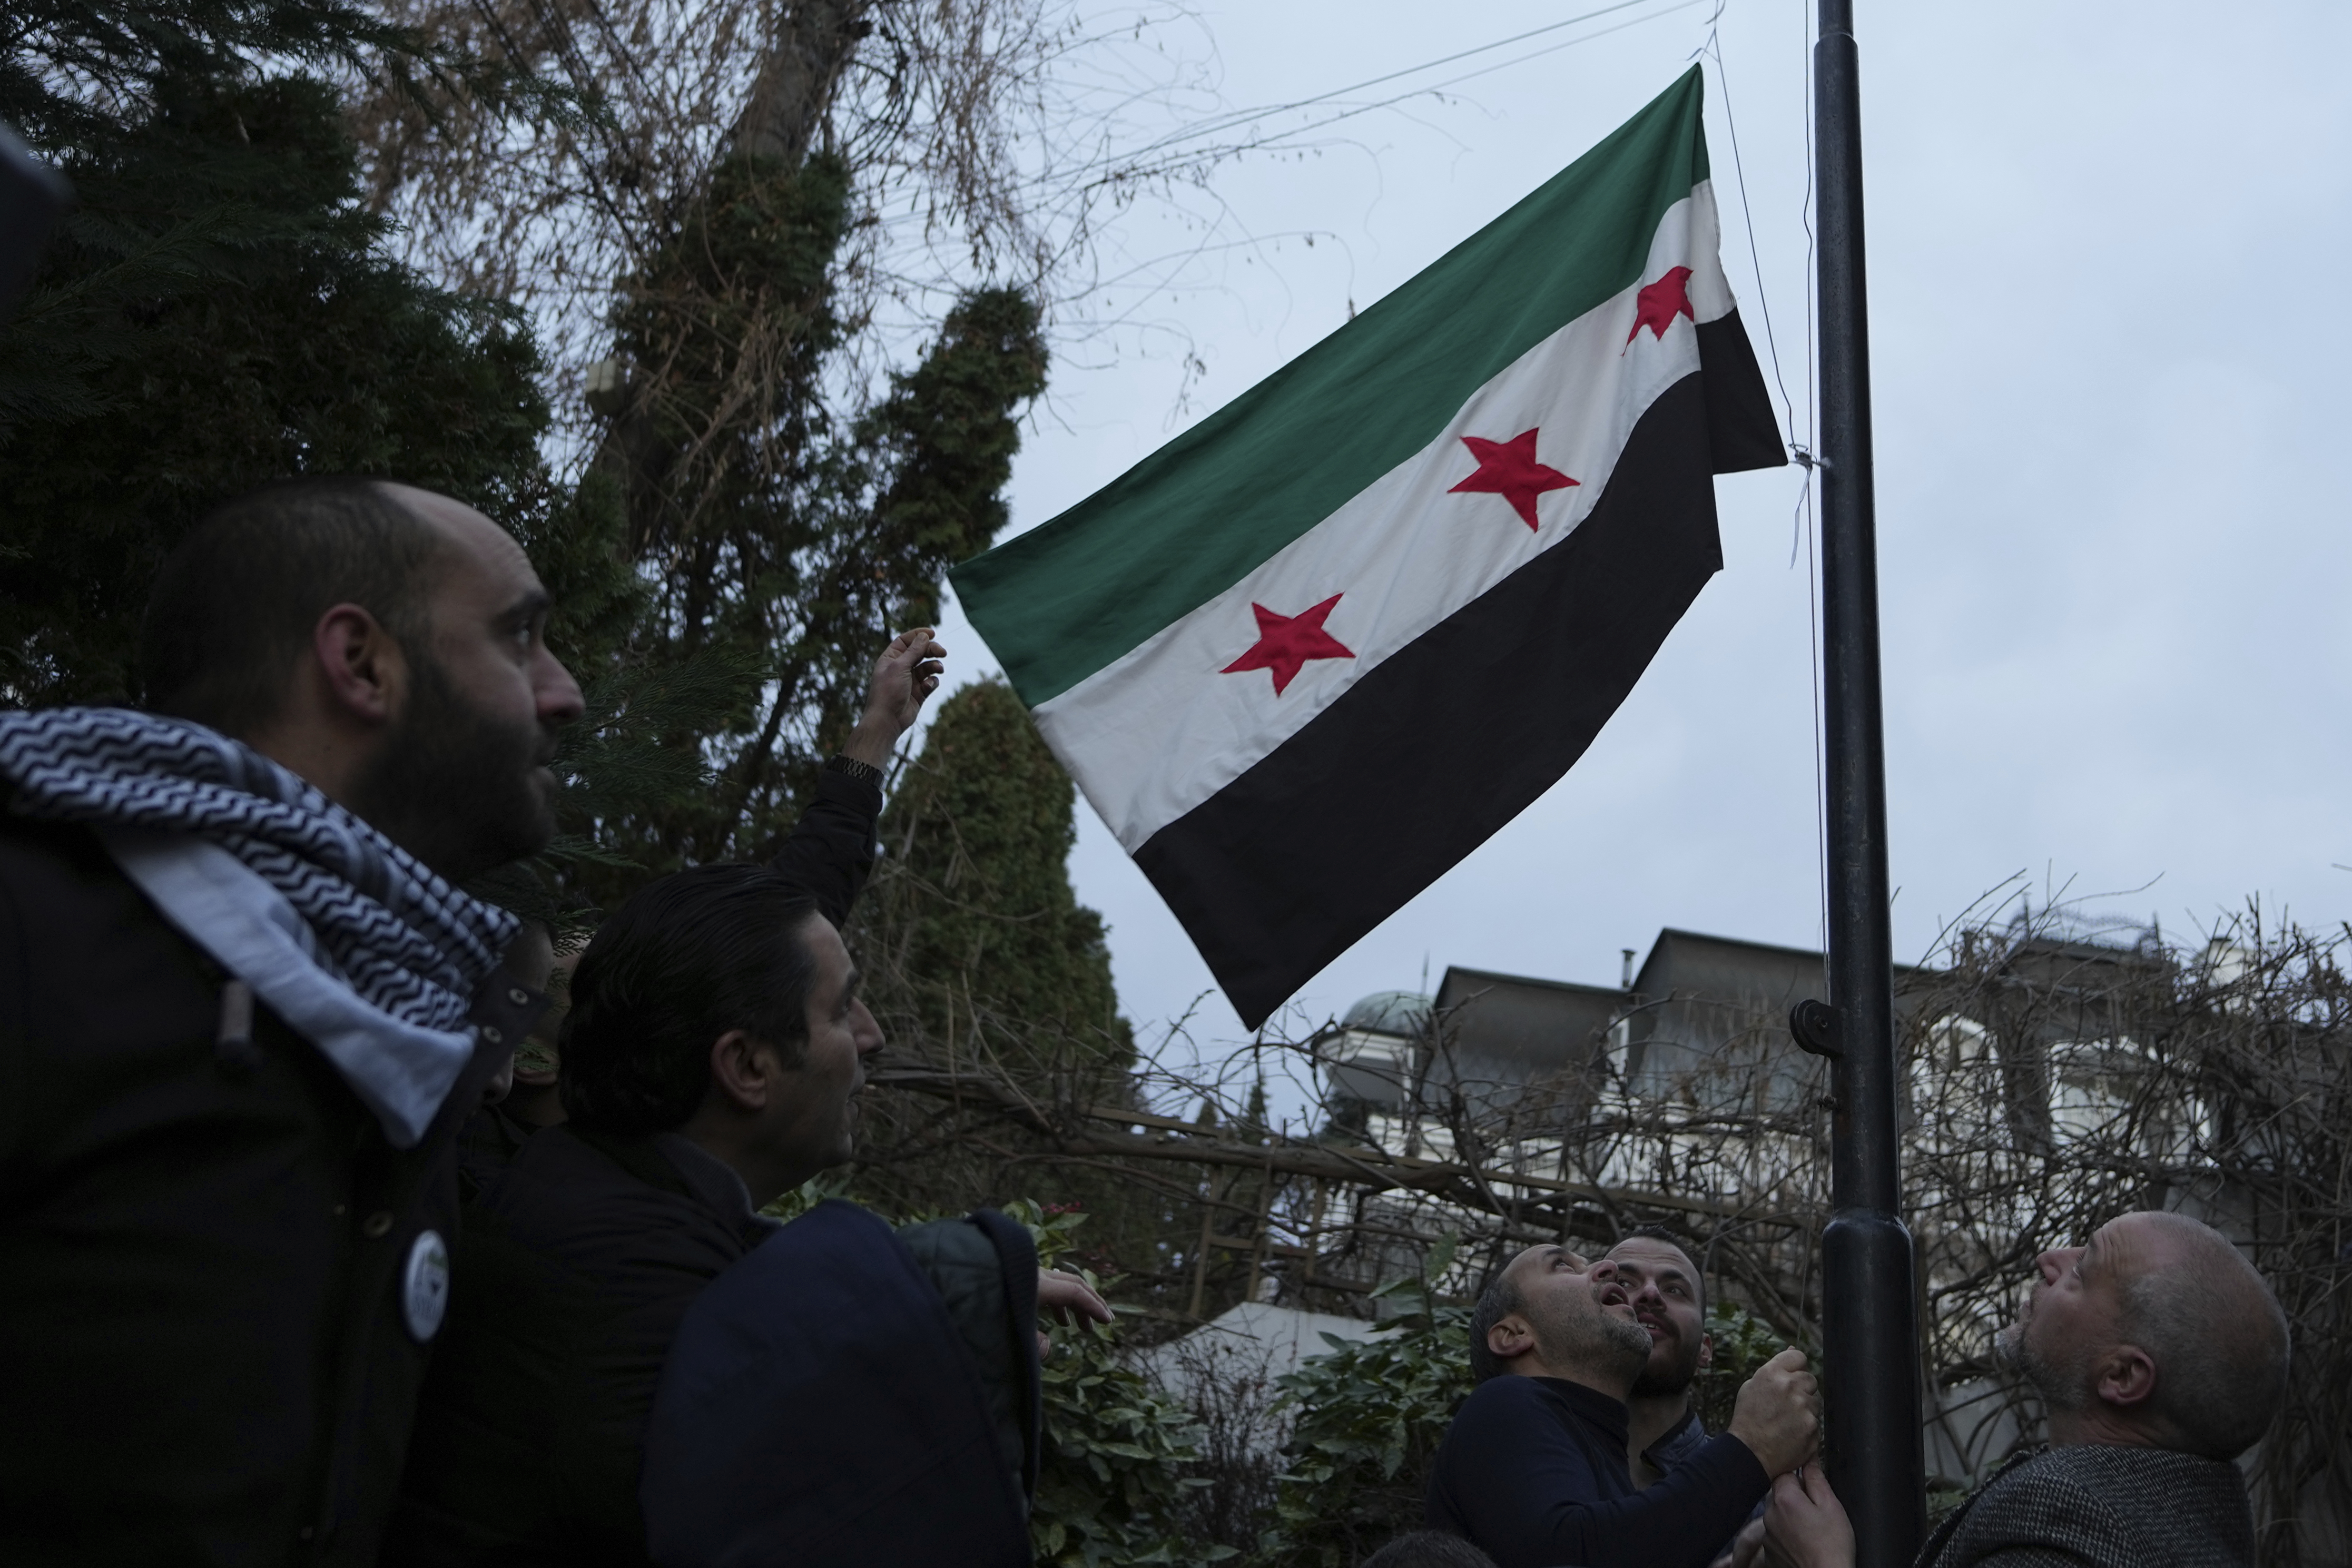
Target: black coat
579 1257
203 1356
831 851
573 1272
845 1397
1533 1472
578 1266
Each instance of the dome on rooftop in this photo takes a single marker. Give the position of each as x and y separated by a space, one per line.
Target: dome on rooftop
1389 1012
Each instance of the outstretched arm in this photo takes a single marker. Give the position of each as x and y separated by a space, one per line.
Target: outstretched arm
906 673
831 850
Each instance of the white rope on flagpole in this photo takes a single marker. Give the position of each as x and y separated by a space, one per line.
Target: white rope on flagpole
1805 500
1713 50
1802 452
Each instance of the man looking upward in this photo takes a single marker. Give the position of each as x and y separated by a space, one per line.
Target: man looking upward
712 1061
827 856
1669 1296
2161 1356
1533 1470
244 1007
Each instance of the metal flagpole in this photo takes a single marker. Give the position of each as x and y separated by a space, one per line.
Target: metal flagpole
1869 1323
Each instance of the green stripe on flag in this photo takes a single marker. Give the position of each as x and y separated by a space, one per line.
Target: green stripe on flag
1062 601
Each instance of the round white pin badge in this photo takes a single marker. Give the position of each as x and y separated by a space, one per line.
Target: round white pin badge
425 1285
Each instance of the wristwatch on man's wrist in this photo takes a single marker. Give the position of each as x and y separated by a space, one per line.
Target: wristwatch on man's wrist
864 772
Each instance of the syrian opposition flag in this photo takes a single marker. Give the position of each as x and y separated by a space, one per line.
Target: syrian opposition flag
1312 653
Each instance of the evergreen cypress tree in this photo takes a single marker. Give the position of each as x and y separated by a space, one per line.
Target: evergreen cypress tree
990 948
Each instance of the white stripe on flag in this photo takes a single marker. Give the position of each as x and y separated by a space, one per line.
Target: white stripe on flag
1162 729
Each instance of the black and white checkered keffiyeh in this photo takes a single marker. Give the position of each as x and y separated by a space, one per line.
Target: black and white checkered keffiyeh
405 941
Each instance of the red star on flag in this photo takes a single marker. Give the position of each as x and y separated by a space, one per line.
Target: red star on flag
1657 305
1285 643
1510 470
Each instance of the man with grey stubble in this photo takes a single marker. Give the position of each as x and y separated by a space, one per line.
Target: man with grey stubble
2161 1356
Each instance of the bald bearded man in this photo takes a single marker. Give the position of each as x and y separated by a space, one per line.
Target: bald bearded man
244 1006
1533 1470
2161 1356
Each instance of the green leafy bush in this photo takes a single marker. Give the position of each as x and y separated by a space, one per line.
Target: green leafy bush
1369 1416
1743 1342
1112 1480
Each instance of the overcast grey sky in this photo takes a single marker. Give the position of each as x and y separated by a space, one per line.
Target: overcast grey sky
2110 369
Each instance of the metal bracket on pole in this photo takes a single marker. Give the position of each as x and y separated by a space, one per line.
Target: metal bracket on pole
1816 1025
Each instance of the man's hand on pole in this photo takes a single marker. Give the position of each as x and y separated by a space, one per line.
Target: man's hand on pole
1779 1414
1805 1526
906 673
1747 1548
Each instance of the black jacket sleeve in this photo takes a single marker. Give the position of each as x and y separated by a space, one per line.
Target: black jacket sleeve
831 851
1512 1480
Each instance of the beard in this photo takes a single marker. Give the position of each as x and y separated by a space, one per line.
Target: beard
2062 1386
1586 1334
1672 1372
456 786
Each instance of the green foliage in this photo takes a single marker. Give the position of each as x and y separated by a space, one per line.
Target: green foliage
220 310
728 323
1110 1484
984 929
1369 1416
779 539
1743 1342
946 432
217 311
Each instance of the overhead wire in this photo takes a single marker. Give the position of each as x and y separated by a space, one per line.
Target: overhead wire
1130 162
1244 116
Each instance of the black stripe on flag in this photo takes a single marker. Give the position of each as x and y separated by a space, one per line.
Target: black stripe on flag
1426 756
1740 430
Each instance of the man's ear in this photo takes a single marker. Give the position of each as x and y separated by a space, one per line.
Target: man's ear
742 1070
1707 1350
1511 1338
361 665
2126 1377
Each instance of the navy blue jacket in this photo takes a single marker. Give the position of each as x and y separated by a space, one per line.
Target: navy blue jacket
828 1404
1533 1472
1678 1447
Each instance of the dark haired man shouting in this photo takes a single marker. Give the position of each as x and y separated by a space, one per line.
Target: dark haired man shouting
1533 1470
243 1008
